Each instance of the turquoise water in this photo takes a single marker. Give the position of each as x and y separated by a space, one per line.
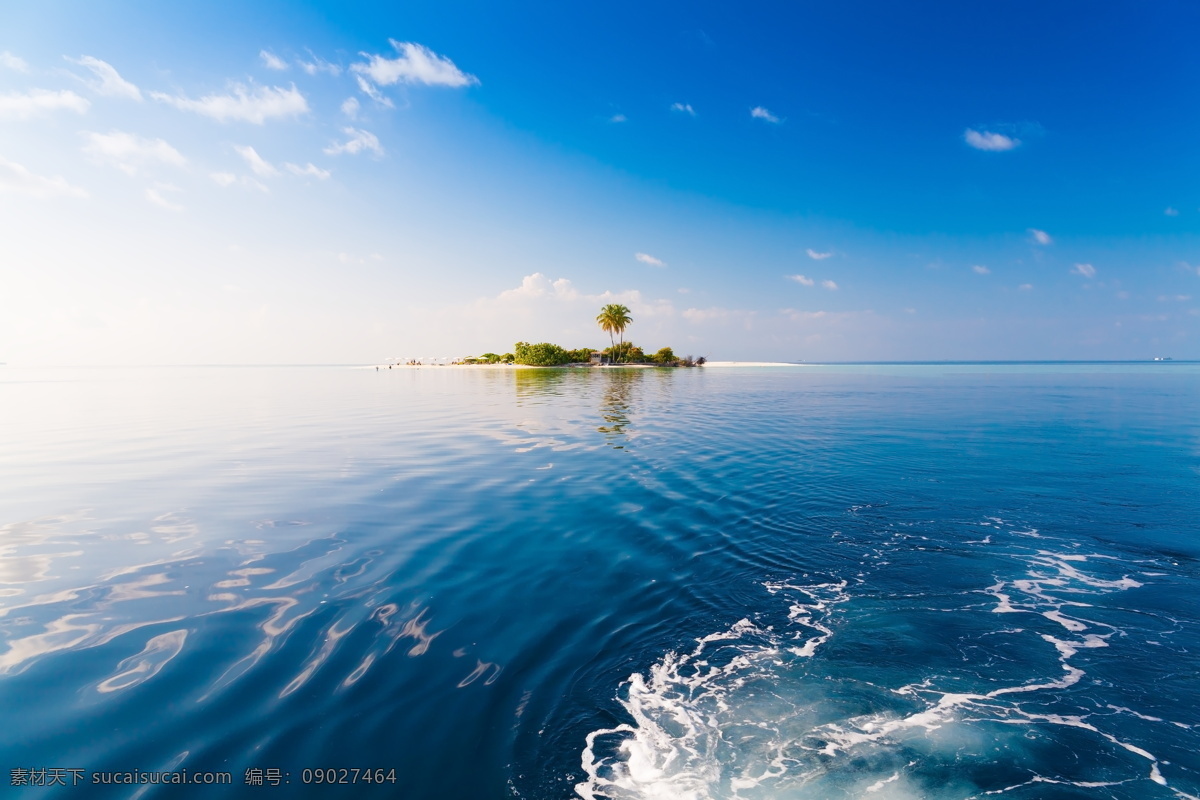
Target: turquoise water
898 581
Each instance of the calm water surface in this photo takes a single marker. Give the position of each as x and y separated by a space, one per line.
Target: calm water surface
813 582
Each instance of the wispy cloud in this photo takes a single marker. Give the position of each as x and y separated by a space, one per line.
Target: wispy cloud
350 107
1025 287
618 118
309 170
830 285
416 64
816 256
16 179
803 280
318 64
107 80
372 91
243 104
9 61
1086 270
1040 237
359 141
987 140
129 152
758 112
256 162
154 195
18 105
649 259
1171 212
980 269
272 61
227 179
685 108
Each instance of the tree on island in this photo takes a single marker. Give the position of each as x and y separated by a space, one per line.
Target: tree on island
614 318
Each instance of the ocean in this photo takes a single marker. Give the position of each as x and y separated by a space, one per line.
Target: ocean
840 581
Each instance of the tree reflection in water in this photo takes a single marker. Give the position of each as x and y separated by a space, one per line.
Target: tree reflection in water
616 388
615 401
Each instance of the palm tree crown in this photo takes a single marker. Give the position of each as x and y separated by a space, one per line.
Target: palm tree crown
614 318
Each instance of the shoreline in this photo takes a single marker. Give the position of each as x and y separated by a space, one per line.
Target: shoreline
716 364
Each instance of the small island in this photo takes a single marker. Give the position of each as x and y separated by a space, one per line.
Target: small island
613 319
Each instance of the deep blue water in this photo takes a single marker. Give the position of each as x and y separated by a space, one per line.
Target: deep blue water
865 581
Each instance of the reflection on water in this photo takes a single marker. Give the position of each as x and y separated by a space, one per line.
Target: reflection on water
616 401
407 569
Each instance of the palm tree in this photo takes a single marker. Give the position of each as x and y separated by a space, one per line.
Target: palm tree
614 318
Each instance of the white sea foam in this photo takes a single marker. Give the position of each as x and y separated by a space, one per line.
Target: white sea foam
743 716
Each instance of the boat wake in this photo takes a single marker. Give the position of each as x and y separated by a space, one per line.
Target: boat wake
783 711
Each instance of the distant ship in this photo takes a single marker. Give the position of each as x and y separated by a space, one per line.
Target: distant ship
1163 358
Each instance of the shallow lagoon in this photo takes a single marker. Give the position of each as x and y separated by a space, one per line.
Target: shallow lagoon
891 581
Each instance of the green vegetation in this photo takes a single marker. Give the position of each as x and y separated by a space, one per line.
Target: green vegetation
542 354
613 319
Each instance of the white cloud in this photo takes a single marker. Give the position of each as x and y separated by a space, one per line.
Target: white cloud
1086 270
649 259
359 141
318 64
350 107
1040 237
309 170
242 105
227 179
1171 212
12 62
16 105
803 280
685 108
272 61
712 314
415 64
16 179
981 269
129 152
986 140
108 81
830 285
814 255
256 163
758 112
154 195
618 118
371 91
1025 287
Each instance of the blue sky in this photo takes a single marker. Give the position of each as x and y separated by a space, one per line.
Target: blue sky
306 183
